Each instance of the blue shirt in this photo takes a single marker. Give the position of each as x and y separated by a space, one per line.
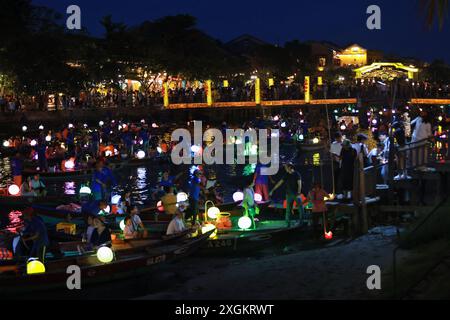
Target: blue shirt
261 179
16 166
167 183
36 225
90 207
194 188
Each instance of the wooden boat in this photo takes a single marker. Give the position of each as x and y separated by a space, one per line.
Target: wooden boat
49 200
15 282
310 146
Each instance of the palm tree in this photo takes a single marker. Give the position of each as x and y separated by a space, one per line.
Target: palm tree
435 9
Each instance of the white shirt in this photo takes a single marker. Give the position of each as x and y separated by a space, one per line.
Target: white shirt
176 226
135 222
336 148
422 130
357 147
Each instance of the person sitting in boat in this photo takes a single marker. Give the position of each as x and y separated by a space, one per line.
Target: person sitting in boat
136 222
169 200
38 186
34 236
101 236
26 189
87 236
129 232
124 203
176 225
94 207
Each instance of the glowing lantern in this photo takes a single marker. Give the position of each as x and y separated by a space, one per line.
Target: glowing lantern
142 121
316 140
69 164
101 123
244 222
159 149
85 190
35 267
6 143
213 212
440 118
276 118
105 255
48 138
41 127
140 154
208 227
159 206
108 153
257 197
122 224
343 127
154 125
33 143
115 199
24 128
13 190
238 196
70 126
301 137
283 124
85 125
374 121
328 235
182 196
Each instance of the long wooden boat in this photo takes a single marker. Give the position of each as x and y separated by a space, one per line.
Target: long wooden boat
14 281
49 200
309 146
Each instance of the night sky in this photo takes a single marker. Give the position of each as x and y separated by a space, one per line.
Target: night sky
343 22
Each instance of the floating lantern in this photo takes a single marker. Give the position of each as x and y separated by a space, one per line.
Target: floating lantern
85 190
343 127
182 196
159 149
24 128
316 140
115 199
69 164
283 124
35 267
440 118
101 123
14 190
105 254
41 127
160 206
244 222
70 126
48 138
208 227
33 143
122 224
213 212
154 125
6 143
257 197
238 196
140 154
328 235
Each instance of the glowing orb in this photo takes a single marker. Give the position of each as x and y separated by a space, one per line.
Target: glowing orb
69 164
154 125
6 143
108 153
301 137
41 127
33 143
122 224
343 127
13 190
244 222
238 196
374 121
101 123
115 199
208 227
159 149
142 121
283 124
105 255
70 126
257 197
182 196
328 235
140 154
440 118
316 140
85 125
35 267
213 212
160 206
48 138
24 128
276 118
85 190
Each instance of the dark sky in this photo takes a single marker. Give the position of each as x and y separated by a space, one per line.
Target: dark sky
277 21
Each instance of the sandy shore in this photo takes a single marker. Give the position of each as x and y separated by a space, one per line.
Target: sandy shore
335 272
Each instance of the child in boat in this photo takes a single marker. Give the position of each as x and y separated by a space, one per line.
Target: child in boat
90 228
38 186
136 222
128 231
26 190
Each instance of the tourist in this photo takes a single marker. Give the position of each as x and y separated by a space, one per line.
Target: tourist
194 195
176 225
38 186
124 203
169 200
335 150
17 168
374 157
94 207
422 132
98 185
317 197
129 232
136 222
248 202
400 139
35 232
293 186
89 229
26 189
261 182
101 236
384 139
348 157
361 147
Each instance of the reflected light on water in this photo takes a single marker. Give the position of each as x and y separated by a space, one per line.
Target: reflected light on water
69 188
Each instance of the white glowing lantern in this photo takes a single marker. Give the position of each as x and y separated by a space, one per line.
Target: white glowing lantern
122 224
440 118
85 190
41 127
33 143
69 164
140 154
115 199
107 209
316 140
6 143
182 196
85 125
105 255
14 190
142 121
257 197
108 153
119 127
154 125
301 137
24 128
283 124
213 212
374 121
238 196
159 149
244 222
101 123
208 227
70 126
276 118
48 138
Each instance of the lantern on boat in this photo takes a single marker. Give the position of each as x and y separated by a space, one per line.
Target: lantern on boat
6 143
316 140
34 266
70 126
244 222
14 190
182 196
41 127
257 197
140 154
33 143
85 190
85 125
301 137
24 128
213 212
238 196
160 206
101 123
276 118
122 224
343 127
154 125
283 124
143 121
105 254
208 227
69 164
48 138
115 199
328 235
159 149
